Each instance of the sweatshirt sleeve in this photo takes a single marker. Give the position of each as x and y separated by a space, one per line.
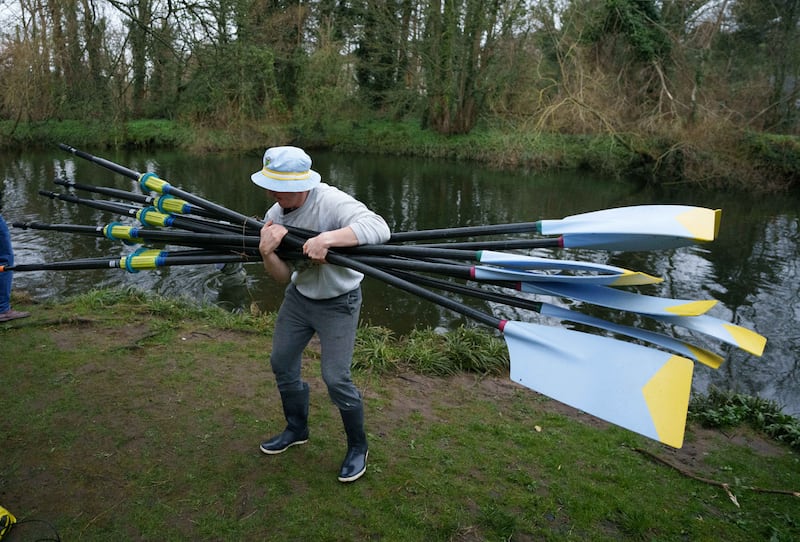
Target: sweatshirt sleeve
370 228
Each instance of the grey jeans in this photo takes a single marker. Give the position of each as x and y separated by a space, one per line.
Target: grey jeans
335 321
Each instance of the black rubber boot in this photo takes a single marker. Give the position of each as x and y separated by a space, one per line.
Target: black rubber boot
355 462
295 409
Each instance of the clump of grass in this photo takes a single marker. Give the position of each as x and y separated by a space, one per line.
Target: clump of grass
721 409
376 349
426 353
172 310
463 349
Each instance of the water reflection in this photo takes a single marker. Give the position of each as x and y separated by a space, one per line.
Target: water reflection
752 269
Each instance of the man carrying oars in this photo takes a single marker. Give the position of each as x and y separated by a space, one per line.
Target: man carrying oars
320 298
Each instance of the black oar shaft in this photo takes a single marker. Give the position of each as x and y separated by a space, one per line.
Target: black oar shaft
451 270
110 206
100 161
509 244
113 192
478 293
464 231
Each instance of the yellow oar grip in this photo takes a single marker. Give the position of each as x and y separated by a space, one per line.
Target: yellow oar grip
151 217
118 231
170 204
141 259
149 181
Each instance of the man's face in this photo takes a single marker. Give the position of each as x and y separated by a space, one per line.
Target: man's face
288 200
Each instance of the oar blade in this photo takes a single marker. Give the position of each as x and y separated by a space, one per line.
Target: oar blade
605 274
695 223
621 300
624 242
706 357
643 390
591 272
741 337
624 278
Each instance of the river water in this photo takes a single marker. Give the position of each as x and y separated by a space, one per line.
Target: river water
751 269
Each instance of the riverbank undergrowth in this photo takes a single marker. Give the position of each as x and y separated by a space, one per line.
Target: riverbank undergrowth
707 157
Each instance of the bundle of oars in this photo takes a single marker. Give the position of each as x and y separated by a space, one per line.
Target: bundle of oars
642 388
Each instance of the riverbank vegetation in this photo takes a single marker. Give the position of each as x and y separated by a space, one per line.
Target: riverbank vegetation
703 92
135 417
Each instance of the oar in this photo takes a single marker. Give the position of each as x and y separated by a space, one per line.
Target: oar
522 266
165 204
622 228
597 241
685 349
627 242
142 259
738 336
620 300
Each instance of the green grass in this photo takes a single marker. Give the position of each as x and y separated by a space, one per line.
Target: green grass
128 417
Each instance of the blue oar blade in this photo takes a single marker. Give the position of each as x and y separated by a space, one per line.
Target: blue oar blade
621 300
696 223
643 390
690 351
627 242
738 336
520 261
601 273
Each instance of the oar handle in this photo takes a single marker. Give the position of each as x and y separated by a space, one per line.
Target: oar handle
114 192
119 208
101 161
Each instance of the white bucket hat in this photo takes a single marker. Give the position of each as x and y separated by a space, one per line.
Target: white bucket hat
286 169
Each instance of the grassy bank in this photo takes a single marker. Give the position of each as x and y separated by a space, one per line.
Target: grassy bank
721 159
132 418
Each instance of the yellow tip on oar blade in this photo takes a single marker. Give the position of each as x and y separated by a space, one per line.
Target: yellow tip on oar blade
635 278
747 339
702 224
706 357
667 398
693 308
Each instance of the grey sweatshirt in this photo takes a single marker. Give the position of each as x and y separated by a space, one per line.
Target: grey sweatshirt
328 208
